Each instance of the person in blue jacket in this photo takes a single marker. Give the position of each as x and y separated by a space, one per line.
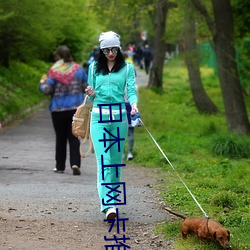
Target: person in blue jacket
108 77
65 83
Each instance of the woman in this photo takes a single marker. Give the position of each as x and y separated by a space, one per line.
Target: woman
65 83
108 77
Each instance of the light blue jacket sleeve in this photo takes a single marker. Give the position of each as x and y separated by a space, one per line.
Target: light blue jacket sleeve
91 78
48 86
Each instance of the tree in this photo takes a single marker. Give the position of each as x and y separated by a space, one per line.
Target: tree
201 99
28 33
159 46
127 17
223 38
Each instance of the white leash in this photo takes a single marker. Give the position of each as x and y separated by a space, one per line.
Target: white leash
174 169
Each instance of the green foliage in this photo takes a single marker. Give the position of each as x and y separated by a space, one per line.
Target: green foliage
175 25
128 18
224 200
170 230
19 87
243 59
241 17
176 18
219 183
29 33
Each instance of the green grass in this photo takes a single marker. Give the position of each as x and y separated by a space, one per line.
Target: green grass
214 164
19 88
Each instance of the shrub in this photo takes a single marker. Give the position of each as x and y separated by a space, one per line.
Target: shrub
231 146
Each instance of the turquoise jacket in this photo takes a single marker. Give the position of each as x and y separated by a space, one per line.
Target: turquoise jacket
110 88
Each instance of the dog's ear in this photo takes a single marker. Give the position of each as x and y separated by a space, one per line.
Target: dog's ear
228 237
214 235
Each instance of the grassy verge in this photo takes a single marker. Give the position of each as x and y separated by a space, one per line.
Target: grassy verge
19 88
213 164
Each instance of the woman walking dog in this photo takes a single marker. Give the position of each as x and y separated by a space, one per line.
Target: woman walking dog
108 78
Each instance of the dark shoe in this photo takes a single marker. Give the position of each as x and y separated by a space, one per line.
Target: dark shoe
58 171
76 170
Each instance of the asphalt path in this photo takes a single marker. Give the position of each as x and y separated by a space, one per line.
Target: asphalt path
30 190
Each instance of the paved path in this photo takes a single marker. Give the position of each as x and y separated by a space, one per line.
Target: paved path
40 209
141 78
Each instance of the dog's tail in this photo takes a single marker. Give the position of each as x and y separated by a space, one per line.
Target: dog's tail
175 213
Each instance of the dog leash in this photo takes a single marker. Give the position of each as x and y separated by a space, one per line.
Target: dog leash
174 169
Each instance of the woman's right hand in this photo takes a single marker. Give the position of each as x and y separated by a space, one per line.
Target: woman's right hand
90 91
134 109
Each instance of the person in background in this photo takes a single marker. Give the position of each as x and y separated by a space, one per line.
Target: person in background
92 57
128 108
130 133
147 54
93 54
108 78
65 83
139 56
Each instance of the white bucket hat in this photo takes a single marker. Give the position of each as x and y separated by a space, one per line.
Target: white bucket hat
109 39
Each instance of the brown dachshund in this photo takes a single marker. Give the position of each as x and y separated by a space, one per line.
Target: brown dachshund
204 229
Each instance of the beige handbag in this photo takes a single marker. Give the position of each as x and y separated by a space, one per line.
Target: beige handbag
81 125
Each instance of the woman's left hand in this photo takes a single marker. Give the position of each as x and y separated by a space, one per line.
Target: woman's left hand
134 109
90 91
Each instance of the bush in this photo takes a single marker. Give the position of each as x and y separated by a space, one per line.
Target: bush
231 146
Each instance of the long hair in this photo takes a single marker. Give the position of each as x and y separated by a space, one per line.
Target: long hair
102 66
63 52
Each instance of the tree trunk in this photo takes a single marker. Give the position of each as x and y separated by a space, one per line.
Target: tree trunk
201 99
235 109
223 38
159 47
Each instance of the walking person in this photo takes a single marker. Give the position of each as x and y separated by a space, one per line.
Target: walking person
147 54
130 133
108 78
131 129
65 84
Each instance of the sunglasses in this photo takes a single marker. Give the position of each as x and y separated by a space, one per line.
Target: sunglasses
106 51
